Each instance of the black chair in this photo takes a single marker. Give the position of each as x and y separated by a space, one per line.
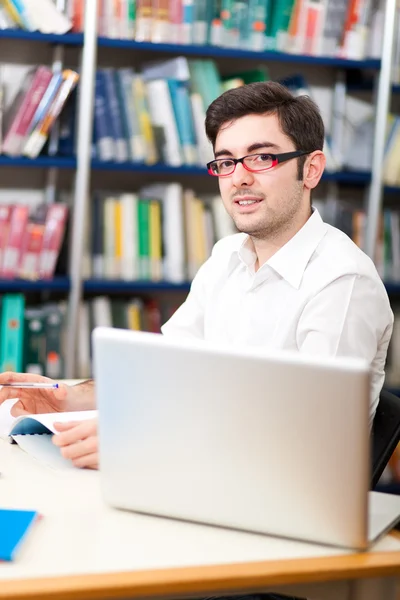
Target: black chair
385 433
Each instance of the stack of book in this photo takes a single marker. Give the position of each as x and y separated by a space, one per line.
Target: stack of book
349 29
158 115
164 232
30 242
31 339
29 117
45 16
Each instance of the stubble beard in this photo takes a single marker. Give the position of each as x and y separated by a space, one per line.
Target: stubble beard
272 223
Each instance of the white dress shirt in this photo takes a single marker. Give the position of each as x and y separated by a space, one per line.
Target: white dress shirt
318 294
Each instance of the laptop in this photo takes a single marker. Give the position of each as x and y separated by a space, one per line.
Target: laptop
268 442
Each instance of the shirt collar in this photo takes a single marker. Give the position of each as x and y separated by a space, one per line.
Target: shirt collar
291 260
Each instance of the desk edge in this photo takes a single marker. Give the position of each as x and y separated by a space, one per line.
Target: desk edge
205 580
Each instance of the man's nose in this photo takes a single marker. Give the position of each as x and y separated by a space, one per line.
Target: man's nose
241 176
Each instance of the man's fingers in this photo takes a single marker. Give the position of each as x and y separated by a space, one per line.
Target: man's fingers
80 449
11 377
60 426
79 431
19 409
9 394
90 461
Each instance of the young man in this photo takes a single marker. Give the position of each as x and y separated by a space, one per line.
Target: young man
287 281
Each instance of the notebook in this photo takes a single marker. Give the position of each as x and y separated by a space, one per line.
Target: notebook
33 433
14 526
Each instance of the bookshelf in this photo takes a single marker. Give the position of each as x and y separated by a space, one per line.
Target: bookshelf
41 162
107 286
235 53
88 43
67 39
58 284
59 162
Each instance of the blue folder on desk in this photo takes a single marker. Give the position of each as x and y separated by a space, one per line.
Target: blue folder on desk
14 525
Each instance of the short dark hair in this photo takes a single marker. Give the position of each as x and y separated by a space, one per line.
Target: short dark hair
299 117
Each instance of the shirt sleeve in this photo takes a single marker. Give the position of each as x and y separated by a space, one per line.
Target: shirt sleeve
349 317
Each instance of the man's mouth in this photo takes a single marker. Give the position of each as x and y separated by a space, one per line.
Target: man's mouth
247 201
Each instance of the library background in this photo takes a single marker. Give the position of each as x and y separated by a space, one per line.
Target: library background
106 207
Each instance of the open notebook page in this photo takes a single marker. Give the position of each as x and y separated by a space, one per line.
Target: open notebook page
44 423
41 447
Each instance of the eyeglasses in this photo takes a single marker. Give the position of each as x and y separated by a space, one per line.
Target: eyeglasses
223 167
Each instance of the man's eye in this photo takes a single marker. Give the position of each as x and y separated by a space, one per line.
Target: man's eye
226 163
263 158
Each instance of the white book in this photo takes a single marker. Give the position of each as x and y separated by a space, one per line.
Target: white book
130 254
33 434
174 68
102 316
46 18
173 229
204 147
162 116
224 224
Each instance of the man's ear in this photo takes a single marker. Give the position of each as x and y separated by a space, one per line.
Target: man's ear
313 169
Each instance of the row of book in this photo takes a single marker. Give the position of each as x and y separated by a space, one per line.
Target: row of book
350 29
31 240
164 232
352 220
28 117
149 314
139 314
31 338
46 16
158 115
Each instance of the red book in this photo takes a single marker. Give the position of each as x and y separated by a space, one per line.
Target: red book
24 109
29 262
12 250
5 215
53 235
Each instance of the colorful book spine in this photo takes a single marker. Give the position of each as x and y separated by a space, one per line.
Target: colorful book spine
53 235
144 238
38 138
34 341
11 334
15 136
13 245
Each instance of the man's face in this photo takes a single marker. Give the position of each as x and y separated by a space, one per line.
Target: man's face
277 194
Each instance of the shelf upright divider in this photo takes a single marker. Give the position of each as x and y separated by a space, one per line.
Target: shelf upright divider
82 179
375 193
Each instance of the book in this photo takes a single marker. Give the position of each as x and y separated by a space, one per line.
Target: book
11 332
33 434
14 526
44 423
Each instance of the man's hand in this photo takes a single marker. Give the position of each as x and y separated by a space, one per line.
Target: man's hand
78 442
33 401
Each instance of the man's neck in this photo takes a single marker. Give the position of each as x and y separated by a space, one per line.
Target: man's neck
266 248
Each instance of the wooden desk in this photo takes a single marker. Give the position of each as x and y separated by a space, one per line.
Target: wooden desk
83 549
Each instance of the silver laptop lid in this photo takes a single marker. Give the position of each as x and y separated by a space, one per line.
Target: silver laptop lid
276 443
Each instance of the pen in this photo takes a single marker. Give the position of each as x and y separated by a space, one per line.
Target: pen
43 386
